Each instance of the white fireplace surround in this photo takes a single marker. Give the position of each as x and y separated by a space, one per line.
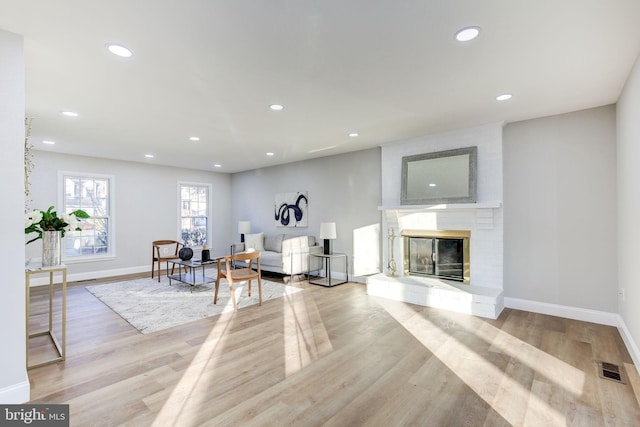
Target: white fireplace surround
483 295
484 224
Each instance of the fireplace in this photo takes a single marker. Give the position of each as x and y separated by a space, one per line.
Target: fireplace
480 294
437 253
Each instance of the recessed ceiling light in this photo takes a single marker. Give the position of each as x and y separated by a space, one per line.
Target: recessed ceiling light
353 134
119 50
269 154
504 97
432 185
276 107
149 156
48 142
467 34
217 166
194 138
69 114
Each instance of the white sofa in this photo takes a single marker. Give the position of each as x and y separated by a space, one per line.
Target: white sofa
280 253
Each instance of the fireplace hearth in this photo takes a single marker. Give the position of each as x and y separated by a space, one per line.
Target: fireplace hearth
442 254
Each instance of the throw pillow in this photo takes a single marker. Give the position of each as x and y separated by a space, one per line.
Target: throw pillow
273 243
254 241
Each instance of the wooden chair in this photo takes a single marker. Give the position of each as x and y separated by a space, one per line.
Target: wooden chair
162 251
238 275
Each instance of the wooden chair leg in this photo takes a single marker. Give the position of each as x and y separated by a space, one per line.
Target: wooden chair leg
249 287
215 295
159 271
233 297
153 266
260 289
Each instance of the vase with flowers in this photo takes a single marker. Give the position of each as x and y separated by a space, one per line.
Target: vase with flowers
51 229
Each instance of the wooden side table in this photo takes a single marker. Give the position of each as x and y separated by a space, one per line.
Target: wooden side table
326 259
60 346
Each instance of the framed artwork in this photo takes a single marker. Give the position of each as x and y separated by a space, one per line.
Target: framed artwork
291 209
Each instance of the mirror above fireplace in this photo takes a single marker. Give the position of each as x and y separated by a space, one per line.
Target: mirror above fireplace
440 177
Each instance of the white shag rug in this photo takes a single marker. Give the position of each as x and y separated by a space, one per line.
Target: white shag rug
150 306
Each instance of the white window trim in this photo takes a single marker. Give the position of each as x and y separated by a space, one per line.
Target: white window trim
112 222
209 209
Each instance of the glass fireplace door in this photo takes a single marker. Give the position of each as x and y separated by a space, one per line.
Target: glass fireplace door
449 258
422 256
438 257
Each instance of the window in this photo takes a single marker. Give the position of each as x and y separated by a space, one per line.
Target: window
93 195
194 214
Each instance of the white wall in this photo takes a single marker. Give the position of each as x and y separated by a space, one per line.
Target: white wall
344 189
560 210
146 207
14 384
628 129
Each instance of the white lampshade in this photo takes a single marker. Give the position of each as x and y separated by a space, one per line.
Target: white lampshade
328 230
244 227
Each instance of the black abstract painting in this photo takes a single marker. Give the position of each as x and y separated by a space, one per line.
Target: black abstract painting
291 209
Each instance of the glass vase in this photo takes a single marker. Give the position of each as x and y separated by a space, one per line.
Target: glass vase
51 248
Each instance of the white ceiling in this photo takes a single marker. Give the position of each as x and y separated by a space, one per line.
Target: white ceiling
387 69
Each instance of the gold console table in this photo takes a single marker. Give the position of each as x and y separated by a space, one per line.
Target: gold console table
60 346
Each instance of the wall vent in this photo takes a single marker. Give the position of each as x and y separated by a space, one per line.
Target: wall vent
611 372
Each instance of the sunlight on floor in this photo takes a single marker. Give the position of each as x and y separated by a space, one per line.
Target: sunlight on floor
515 403
305 337
194 383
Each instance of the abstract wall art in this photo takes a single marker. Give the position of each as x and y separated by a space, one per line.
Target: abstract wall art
291 209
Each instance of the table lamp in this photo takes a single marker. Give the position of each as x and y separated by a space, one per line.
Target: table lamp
244 227
328 233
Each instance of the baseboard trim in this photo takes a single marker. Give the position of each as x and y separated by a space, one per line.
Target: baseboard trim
358 279
630 343
17 393
576 313
92 275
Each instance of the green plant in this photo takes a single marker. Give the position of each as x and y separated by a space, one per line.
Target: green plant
38 221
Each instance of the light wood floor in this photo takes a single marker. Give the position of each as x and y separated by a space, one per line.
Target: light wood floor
336 357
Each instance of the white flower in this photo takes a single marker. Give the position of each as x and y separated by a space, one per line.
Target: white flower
32 217
72 221
40 221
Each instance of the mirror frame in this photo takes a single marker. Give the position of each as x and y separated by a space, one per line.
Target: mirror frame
472 173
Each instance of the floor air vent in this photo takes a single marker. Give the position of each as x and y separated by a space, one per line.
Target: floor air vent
611 372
